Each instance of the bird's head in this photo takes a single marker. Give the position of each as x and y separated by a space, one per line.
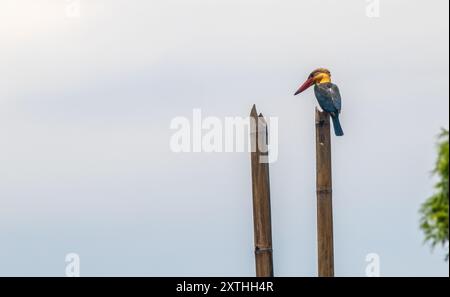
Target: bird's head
318 76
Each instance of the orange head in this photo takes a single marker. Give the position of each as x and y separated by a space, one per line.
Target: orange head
318 76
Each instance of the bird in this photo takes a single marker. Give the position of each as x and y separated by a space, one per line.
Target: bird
327 95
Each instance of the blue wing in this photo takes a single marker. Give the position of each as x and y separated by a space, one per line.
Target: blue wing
329 97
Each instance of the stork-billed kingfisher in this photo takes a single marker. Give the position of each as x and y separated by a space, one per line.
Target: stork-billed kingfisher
327 95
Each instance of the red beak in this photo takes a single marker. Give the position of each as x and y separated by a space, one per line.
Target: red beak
305 86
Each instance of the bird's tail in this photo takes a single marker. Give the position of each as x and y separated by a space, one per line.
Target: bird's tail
337 125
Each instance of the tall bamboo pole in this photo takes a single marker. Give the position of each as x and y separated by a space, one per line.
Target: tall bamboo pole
324 195
261 196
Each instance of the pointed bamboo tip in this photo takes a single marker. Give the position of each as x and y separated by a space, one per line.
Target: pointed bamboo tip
253 112
262 119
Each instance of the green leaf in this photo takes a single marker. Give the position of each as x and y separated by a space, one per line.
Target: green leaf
434 212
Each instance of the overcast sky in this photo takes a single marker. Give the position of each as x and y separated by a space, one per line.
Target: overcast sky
86 105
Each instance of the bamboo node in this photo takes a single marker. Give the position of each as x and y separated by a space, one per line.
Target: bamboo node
261 250
324 191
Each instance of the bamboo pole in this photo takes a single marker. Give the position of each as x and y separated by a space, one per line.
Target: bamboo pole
261 196
324 195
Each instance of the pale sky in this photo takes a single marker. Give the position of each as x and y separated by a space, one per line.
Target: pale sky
85 109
